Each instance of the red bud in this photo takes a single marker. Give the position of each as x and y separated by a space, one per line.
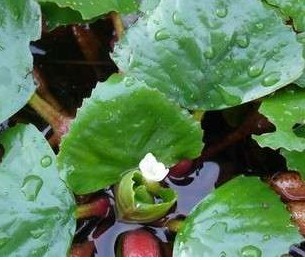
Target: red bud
138 243
181 169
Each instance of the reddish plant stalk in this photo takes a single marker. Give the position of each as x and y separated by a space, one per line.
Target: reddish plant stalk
85 249
58 121
97 208
89 45
255 123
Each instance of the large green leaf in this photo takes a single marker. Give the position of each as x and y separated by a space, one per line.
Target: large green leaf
211 54
244 217
286 110
36 216
19 24
121 122
292 9
62 12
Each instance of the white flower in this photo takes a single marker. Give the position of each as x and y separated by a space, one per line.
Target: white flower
151 169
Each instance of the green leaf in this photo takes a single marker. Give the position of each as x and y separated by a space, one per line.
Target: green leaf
36 216
57 16
63 12
244 217
292 9
135 199
295 161
214 55
121 122
286 110
20 23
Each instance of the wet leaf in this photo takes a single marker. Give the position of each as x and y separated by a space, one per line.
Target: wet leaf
36 216
244 217
122 122
63 12
286 110
19 24
212 56
291 9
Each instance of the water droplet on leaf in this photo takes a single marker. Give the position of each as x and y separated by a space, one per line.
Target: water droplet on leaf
46 161
31 187
259 26
271 79
251 251
222 12
256 69
266 237
209 53
242 41
161 35
176 18
222 254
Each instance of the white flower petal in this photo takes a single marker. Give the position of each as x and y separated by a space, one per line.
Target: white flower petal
151 169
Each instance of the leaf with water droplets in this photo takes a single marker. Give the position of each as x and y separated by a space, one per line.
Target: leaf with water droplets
122 122
286 110
197 46
244 217
36 207
291 9
63 12
19 24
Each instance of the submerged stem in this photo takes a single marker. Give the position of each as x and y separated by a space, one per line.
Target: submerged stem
117 24
58 121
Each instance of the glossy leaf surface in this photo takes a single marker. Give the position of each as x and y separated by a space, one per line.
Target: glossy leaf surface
36 216
135 199
122 122
244 217
286 110
61 12
19 24
292 9
214 55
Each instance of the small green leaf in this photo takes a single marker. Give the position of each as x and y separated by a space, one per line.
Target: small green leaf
244 217
292 9
295 161
122 122
62 12
57 16
135 199
37 209
20 23
214 55
286 110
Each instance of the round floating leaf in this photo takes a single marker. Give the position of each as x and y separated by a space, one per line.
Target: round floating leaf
36 216
61 12
292 9
140 201
20 23
117 127
244 217
286 110
214 55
